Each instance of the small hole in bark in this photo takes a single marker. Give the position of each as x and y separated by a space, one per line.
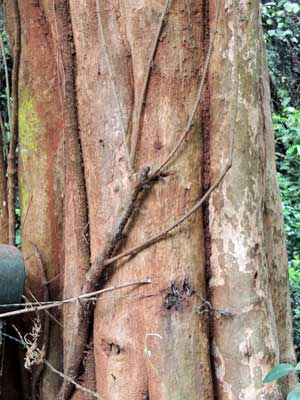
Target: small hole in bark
115 349
111 348
113 376
157 145
255 275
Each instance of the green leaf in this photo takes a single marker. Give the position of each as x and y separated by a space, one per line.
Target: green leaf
297 368
278 372
294 395
292 7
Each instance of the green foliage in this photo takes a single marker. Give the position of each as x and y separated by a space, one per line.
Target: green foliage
278 372
287 131
294 395
281 370
281 23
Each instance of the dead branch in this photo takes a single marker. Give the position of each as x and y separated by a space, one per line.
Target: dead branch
142 100
113 82
102 260
11 162
93 277
154 239
37 302
33 307
70 380
96 269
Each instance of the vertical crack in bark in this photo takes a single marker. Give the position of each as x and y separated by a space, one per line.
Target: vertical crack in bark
77 218
11 163
206 178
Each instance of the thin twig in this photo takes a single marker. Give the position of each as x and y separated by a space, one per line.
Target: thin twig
67 378
142 100
6 81
154 239
37 302
3 136
11 163
40 357
198 98
55 277
96 269
103 260
73 299
113 82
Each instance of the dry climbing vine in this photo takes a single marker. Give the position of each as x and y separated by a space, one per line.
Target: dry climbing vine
11 161
146 179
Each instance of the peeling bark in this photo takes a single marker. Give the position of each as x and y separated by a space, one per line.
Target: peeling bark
246 346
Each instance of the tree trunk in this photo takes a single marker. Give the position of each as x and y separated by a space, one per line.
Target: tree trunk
108 88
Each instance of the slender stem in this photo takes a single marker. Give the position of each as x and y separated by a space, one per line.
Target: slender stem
198 98
11 162
142 100
134 250
72 299
67 378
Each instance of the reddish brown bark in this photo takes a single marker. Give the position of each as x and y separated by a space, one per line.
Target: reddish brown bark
41 163
152 342
77 257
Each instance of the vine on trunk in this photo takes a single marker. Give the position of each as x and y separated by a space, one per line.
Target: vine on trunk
11 162
145 181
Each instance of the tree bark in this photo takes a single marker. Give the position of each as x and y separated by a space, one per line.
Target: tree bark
41 166
247 266
216 316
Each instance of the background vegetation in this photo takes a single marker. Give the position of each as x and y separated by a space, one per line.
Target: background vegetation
281 22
